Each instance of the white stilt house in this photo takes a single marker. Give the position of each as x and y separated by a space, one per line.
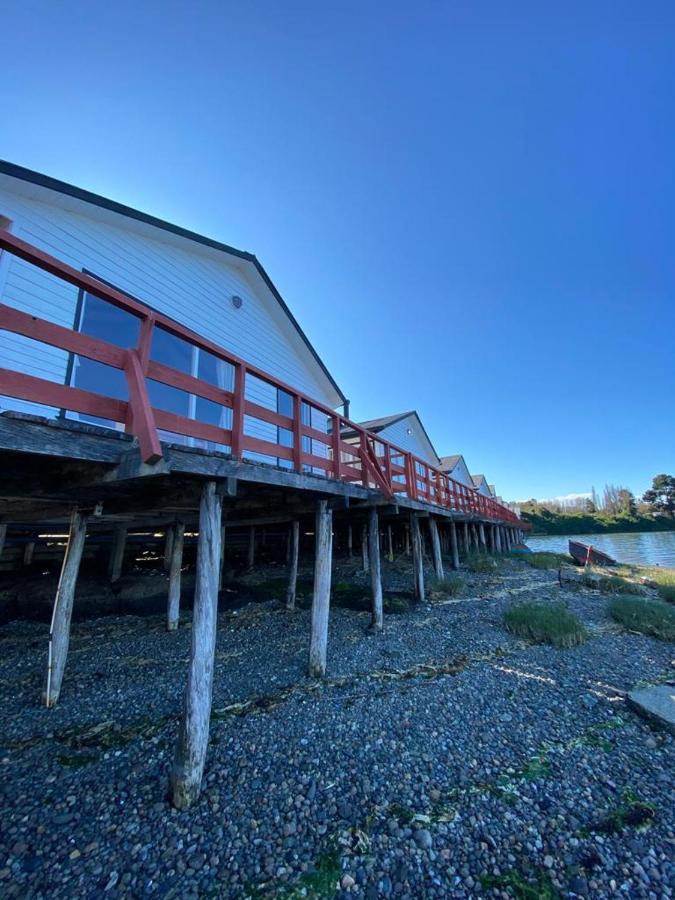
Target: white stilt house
456 467
481 485
403 429
213 289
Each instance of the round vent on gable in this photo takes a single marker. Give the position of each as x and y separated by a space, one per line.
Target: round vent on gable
237 302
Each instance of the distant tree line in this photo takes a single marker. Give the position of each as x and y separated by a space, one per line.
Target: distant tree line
616 509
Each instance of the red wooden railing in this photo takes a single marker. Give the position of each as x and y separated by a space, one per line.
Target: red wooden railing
365 458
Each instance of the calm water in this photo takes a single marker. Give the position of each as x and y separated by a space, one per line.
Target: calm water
653 548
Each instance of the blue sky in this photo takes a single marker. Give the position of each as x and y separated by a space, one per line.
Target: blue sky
470 207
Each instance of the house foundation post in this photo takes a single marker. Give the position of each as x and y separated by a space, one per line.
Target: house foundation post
3 537
390 543
323 552
436 548
193 735
250 555
453 546
375 569
481 536
350 541
119 544
168 547
364 547
28 551
498 539
175 566
418 559
293 564
59 632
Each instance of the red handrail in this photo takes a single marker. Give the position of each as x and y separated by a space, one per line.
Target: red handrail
374 462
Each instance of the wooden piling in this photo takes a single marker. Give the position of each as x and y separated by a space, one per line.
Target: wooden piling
59 632
168 547
498 538
350 541
3 537
323 551
467 542
250 556
377 620
390 544
481 536
436 548
453 546
407 540
193 736
293 564
418 559
175 566
221 567
119 543
28 551
364 547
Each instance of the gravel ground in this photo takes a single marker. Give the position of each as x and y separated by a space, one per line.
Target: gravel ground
499 766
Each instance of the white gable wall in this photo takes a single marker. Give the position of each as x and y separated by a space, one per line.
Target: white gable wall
461 473
191 284
415 443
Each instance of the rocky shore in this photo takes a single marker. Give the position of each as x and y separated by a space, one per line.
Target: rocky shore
441 758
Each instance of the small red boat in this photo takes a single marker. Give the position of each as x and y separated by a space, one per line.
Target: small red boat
586 555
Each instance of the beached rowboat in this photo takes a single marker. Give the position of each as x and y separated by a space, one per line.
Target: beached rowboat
585 554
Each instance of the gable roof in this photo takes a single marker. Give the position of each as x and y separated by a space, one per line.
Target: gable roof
62 187
448 463
377 425
477 479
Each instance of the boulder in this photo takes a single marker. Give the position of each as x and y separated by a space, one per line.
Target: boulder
656 702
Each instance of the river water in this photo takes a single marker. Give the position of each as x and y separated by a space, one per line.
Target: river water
644 548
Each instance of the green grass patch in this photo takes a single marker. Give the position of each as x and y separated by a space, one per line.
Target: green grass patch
654 618
666 592
545 623
480 562
611 584
631 812
543 560
323 881
451 584
537 886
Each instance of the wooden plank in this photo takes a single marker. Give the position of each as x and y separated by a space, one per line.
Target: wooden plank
453 546
267 448
418 559
322 436
317 462
236 441
190 757
61 396
168 421
119 543
268 415
188 383
140 417
59 631
436 548
297 433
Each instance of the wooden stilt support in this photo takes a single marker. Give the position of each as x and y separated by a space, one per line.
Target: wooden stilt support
364 547
467 541
168 547
390 544
250 556
293 564
323 553
436 548
350 541
59 632
221 568
28 551
3 537
507 539
193 737
407 540
453 546
418 559
498 538
481 536
175 566
119 543
375 569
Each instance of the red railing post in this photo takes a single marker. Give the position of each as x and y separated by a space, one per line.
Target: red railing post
140 418
238 411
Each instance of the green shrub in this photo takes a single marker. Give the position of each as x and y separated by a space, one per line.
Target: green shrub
545 623
651 617
451 584
543 560
667 592
480 562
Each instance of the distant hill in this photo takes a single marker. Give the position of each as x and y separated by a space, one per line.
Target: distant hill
544 521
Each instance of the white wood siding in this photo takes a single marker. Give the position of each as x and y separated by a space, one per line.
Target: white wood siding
192 285
461 473
414 443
